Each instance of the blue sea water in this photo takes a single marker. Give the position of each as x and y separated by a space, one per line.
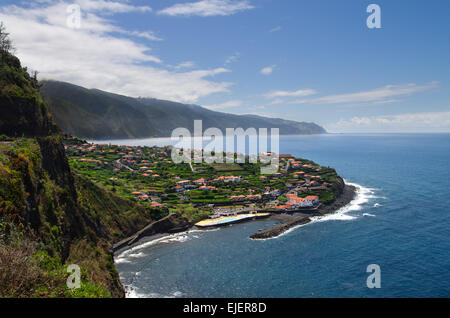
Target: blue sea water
399 221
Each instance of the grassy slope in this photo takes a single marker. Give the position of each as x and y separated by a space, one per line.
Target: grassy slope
40 216
50 218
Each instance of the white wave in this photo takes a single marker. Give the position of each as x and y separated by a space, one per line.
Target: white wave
377 205
121 260
363 196
177 294
137 255
368 214
135 251
132 292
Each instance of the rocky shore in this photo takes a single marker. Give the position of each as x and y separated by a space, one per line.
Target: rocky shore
347 195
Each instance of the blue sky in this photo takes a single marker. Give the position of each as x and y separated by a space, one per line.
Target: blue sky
301 60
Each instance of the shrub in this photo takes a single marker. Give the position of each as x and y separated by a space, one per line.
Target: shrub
19 272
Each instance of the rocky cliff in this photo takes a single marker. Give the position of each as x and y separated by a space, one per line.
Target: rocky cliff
23 110
49 217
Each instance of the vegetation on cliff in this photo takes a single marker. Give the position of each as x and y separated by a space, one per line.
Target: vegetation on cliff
22 108
38 224
49 217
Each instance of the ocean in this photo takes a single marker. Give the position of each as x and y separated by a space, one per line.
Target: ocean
400 220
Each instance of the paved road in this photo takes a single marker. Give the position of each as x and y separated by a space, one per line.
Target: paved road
123 165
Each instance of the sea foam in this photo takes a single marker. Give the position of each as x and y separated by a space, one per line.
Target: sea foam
363 196
134 252
133 292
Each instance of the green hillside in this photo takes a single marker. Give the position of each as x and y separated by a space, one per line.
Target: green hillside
50 217
95 114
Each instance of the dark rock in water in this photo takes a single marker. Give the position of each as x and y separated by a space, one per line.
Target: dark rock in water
280 229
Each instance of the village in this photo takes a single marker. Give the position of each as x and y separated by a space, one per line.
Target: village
200 190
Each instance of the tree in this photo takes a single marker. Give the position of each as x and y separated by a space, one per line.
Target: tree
5 42
35 80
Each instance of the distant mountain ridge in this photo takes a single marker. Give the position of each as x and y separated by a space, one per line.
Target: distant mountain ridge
96 114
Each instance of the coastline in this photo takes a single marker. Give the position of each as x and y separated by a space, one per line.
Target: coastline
348 195
170 224
289 221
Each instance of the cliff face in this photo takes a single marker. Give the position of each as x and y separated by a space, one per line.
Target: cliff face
23 111
50 218
339 186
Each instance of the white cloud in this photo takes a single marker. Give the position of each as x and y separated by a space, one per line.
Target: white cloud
275 29
97 55
412 122
149 35
183 65
232 58
267 70
277 101
206 8
298 93
381 95
112 6
229 104
261 114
